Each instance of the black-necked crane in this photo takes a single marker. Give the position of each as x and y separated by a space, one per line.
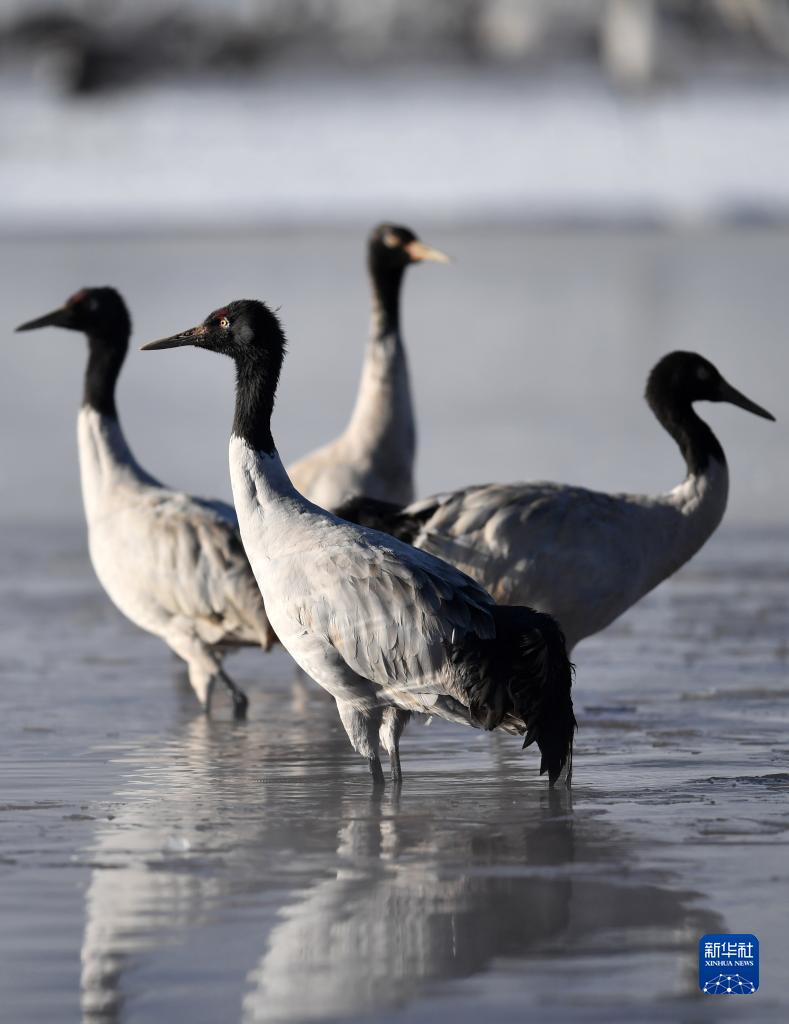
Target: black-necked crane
583 556
375 453
173 564
387 630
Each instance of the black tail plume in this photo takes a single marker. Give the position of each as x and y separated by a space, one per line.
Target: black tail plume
544 701
523 678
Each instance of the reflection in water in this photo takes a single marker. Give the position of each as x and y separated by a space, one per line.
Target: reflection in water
193 829
428 897
248 874
141 883
409 906
370 897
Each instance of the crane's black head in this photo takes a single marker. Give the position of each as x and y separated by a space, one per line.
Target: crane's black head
251 334
393 247
98 312
681 378
101 314
245 330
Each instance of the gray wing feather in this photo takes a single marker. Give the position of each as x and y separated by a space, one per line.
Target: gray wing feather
390 610
581 555
198 548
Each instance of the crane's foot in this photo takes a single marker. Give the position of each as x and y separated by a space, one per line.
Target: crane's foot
240 705
376 770
240 699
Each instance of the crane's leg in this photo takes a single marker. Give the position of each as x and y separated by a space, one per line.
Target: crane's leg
362 726
202 681
393 721
204 669
240 700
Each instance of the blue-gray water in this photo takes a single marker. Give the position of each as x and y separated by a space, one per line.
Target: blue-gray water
156 865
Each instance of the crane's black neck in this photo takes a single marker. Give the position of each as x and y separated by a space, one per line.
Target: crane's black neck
386 284
257 376
105 359
696 441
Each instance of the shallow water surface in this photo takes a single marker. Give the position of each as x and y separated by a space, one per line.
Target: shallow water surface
529 355
158 865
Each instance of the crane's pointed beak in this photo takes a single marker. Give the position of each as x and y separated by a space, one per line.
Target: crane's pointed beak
191 337
57 318
735 397
418 251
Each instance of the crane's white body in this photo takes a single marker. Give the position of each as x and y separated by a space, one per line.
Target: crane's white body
374 456
364 615
171 563
583 556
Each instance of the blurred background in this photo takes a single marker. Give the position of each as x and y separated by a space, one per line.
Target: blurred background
611 176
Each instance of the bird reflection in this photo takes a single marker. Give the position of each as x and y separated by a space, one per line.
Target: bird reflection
372 896
409 906
191 829
426 892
